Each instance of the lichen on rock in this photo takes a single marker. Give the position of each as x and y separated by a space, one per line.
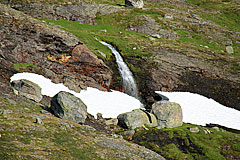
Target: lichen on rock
67 106
168 114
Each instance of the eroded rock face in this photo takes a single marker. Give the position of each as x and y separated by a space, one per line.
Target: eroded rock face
170 71
151 27
80 11
136 118
134 3
67 106
58 54
27 89
168 114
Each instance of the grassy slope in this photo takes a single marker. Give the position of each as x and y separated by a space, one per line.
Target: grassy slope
125 41
180 143
21 138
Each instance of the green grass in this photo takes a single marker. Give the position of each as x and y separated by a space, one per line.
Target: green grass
180 143
21 138
123 40
116 25
23 66
228 15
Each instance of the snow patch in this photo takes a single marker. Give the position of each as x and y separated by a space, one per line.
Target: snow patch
201 110
196 109
110 104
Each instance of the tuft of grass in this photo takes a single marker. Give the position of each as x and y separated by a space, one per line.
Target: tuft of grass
23 66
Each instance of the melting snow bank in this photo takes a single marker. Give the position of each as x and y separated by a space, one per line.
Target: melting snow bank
196 109
200 110
110 104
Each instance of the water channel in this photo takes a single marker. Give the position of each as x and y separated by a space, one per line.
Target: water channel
129 83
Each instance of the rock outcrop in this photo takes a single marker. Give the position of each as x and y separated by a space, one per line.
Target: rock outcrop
27 89
136 118
168 114
151 27
134 3
55 52
79 11
67 106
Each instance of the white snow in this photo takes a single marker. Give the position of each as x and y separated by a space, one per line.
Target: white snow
196 109
201 110
110 104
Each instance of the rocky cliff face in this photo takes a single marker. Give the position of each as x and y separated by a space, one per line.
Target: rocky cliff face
59 55
174 72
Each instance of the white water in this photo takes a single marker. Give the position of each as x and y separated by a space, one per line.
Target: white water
129 83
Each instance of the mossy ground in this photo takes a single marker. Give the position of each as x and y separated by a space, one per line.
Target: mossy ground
22 138
180 143
23 67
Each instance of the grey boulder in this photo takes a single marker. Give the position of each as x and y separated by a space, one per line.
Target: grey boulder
67 106
27 89
168 114
136 118
134 3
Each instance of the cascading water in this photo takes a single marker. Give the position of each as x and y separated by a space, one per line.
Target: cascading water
129 83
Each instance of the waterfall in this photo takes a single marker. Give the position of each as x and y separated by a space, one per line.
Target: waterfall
129 83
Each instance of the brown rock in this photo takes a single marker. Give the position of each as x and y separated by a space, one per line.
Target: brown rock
83 55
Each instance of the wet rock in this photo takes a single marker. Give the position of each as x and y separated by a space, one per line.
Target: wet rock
134 3
168 114
136 118
103 54
27 89
67 106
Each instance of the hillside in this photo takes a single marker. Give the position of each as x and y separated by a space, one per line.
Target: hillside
173 45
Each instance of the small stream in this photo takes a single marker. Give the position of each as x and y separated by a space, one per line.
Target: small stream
129 83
